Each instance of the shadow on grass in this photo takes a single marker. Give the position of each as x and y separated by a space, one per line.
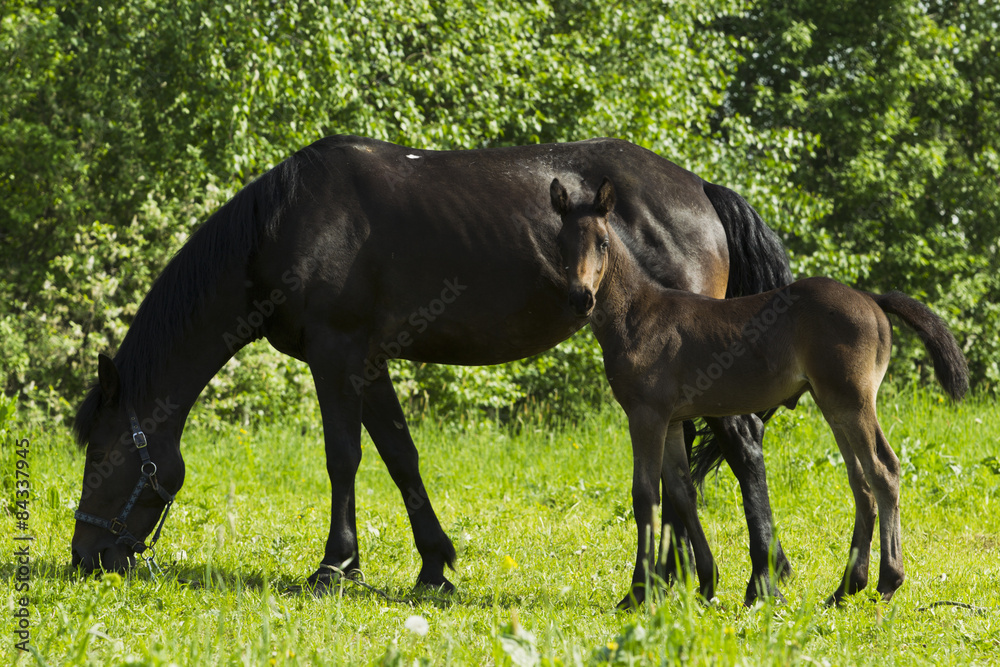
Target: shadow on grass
209 577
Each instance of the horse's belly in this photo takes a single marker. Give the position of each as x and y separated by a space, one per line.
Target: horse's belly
488 343
723 398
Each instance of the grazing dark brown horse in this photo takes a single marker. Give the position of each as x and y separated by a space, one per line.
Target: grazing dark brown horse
355 251
672 355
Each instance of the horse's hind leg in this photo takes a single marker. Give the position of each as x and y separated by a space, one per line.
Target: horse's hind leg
741 441
883 475
881 468
873 471
383 417
856 574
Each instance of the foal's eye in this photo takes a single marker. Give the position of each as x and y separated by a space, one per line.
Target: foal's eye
606 243
96 457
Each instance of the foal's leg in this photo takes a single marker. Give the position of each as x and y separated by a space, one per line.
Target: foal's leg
680 501
856 574
880 467
648 430
683 498
383 417
333 358
741 440
883 470
674 553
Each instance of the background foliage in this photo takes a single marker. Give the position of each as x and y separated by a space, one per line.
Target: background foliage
865 132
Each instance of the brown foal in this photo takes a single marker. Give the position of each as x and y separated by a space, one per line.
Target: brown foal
671 355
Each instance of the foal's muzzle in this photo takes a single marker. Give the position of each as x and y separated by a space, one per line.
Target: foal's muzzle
582 301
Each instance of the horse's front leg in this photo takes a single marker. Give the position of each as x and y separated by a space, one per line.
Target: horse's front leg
683 498
648 430
383 417
674 553
741 441
337 362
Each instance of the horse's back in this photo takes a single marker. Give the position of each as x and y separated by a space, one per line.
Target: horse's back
379 232
663 213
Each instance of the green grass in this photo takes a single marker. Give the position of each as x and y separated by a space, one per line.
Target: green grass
542 523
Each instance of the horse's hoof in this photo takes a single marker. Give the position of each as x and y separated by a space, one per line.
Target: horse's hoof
759 590
442 587
782 569
836 599
326 581
633 600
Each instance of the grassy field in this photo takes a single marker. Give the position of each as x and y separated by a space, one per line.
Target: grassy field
541 518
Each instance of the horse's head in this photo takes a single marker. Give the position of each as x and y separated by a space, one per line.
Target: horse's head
132 471
583 241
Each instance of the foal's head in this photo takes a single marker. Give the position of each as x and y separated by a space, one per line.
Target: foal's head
584 240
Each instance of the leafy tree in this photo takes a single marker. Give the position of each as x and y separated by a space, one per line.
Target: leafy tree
903 98
123 126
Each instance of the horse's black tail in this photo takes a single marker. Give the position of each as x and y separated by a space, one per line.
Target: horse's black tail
950 366
757 263
757 260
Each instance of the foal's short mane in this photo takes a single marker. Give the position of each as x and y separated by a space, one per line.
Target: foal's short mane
227 239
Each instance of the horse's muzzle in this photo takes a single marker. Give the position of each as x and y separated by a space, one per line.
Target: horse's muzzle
113 558
582 301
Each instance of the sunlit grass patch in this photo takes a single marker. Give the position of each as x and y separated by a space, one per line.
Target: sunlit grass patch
541 519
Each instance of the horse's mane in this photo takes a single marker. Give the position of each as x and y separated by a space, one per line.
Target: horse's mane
229 237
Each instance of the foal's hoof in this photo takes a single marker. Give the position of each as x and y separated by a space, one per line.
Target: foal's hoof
443 587
836 599
636 596
328 580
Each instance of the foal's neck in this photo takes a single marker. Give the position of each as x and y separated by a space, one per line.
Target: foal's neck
625 291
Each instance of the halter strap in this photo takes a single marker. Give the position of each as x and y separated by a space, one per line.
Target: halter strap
147 477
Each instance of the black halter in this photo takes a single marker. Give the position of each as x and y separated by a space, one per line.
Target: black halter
147 477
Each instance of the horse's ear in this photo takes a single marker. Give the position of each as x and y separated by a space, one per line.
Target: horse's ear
107 378
604 200
560 198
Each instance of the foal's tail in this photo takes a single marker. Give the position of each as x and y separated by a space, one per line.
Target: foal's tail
757 263
950 366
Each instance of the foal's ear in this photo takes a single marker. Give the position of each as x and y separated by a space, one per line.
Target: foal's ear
604 200
560 198
107 378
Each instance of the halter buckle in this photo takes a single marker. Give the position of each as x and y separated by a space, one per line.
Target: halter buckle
139 438
116 526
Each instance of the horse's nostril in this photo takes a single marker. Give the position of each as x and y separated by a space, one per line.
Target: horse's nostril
582 302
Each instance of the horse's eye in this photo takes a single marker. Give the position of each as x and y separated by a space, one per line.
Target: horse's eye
605 244
96 457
